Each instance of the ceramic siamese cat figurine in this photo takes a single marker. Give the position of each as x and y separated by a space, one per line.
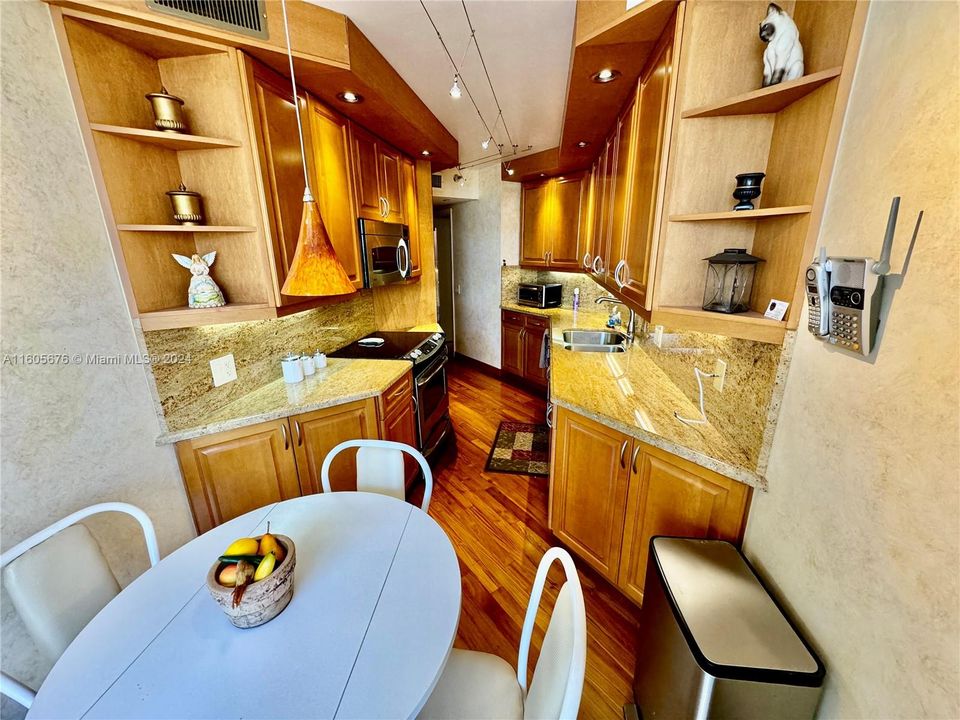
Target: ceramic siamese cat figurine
783 58
203 291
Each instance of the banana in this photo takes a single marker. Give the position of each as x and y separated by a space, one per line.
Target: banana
243 546
265 567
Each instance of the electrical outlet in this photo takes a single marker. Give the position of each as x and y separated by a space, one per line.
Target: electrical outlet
658 335
224 370
458 288
720 370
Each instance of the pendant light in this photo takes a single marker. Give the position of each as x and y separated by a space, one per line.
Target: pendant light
315 270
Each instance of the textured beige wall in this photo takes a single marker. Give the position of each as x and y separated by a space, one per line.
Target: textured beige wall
72 435
859 531
476 268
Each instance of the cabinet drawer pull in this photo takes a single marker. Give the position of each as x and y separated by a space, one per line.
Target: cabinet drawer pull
633 460
296 426
286 440
623 451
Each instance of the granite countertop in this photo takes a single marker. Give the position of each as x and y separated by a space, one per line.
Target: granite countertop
342 381
630 393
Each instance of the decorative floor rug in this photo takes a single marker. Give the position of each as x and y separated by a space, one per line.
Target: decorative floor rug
520 448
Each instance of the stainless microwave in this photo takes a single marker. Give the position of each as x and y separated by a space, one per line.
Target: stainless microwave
540 295
385 248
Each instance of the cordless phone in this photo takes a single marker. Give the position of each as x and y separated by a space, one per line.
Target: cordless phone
818 305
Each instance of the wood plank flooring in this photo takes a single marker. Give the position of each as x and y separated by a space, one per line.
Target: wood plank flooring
498 525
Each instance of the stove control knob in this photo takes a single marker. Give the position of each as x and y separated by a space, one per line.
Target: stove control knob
437 336
415 354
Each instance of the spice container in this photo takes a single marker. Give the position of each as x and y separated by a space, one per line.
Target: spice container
187 206
292 368
167 111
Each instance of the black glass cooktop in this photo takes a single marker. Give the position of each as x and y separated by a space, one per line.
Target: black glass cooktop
396 345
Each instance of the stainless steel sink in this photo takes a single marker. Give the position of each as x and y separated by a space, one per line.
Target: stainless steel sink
594 341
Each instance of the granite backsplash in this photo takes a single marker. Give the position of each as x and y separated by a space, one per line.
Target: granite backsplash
753 385
256 346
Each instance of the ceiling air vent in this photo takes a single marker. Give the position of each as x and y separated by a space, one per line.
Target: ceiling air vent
247 17
436 180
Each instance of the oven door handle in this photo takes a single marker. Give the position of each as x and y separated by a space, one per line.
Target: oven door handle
424 380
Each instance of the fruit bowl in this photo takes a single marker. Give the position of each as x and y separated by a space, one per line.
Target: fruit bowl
262 600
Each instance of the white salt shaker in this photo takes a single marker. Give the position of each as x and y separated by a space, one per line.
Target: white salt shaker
319 360
292 368
308 366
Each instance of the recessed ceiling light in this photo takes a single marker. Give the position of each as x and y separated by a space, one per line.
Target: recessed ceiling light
425 153
605 75
583 143
348 96
543 174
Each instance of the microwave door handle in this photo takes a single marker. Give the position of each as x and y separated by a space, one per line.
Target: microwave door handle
403 259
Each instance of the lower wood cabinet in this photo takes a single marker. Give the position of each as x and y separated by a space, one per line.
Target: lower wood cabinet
230 473
610 493
317 433
521 339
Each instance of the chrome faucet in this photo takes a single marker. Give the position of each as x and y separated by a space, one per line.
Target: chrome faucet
631 322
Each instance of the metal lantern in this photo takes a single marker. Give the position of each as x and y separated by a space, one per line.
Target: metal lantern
729 281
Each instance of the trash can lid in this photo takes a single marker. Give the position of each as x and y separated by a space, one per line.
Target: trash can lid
732 625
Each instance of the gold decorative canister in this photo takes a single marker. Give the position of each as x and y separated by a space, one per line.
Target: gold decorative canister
187 206
167 111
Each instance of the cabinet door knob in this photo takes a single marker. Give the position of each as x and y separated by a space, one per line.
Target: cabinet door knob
283 433
623 452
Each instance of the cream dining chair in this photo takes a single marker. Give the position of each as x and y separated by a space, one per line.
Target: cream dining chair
478 685
380 468
58 579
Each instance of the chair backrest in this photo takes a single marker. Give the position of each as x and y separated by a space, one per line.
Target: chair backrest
58 579
380 468
557 682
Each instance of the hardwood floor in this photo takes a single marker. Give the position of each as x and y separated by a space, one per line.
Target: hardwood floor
498 525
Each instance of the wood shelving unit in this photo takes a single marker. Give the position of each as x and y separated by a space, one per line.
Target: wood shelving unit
188 228
743 214
183 316
766 100
749 325
171 141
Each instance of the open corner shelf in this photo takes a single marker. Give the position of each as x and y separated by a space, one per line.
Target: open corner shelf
743 214
749 325
188 228
766 100
169 140
181 317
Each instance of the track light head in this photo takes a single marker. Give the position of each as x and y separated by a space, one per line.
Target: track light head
455 91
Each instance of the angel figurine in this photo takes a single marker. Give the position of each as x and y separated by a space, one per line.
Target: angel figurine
203 291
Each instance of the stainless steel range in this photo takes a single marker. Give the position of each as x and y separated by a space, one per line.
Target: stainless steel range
428 353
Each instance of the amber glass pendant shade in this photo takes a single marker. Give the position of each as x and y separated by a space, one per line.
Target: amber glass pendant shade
315 270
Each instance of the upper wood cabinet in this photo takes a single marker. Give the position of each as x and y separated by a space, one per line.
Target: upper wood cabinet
410 208
278 146
610 493
550 223
329 143
377 178
230 473
639 240
619 192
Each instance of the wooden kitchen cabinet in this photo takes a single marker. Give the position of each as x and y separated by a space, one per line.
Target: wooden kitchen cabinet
619 192
588 489
521 340
610 493
411 211
281 169
639 241
550 223
398 421
511 345
329 149
316 433
671 496
377 179
230 473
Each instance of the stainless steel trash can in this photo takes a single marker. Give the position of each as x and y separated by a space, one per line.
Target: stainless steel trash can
714 643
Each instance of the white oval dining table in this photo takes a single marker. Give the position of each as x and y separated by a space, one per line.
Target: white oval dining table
367 633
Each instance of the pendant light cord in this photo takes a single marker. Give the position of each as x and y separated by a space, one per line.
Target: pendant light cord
307 193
